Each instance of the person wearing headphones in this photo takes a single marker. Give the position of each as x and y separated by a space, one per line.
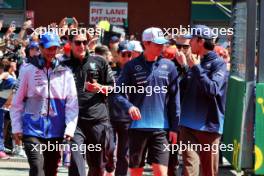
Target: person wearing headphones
44 108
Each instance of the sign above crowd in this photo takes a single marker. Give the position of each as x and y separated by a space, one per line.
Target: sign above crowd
114 12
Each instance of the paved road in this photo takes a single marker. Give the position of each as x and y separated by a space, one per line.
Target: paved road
19 167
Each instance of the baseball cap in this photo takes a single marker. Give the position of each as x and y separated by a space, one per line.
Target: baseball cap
182 40
203 31
114 39
187 36
49 39
33 44
155 35
123 47
135 46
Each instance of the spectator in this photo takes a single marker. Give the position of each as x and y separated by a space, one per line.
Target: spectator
32 51
136 48
120 118
113 46
6 86
102 50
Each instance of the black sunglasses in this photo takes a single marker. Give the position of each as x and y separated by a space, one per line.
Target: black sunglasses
78 43
126 54
183 46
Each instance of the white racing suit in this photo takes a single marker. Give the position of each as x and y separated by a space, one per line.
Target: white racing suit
45 104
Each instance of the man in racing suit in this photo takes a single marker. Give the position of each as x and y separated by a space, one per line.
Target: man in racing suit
45 108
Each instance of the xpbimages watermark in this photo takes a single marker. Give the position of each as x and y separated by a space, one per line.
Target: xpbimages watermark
61 31
147 90
181 30
174 148
83 148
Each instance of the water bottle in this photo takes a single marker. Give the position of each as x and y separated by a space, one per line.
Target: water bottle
66 154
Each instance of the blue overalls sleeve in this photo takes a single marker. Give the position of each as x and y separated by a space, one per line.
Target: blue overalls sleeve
211 85
120 97
174 101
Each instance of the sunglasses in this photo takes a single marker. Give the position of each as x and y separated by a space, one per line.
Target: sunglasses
78 43
183 46
126 54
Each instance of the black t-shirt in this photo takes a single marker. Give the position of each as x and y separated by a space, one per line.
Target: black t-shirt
92 106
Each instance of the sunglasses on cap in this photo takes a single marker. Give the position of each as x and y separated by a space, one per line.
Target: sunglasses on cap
126 54
183 46
78 43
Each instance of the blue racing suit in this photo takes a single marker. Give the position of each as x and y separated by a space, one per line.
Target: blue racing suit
45 104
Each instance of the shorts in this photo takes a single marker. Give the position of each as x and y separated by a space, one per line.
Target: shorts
150 142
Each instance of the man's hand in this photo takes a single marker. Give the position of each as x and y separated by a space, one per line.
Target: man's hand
193 60
27 24
11 29
173 137
1 24
7 106
181 58
53 25
4 75
93 87
17 137
67 137
134 113
75 22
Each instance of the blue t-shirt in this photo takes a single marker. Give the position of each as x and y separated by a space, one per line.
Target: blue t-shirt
153 88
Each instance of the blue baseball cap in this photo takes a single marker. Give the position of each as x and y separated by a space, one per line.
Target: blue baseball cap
33 44
203 31
123 47
114 39
49 39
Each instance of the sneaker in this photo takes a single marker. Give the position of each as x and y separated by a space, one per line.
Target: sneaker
3 155
19 151
8 151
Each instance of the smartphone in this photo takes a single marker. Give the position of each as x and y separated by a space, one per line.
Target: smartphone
28 18
69 20
13 24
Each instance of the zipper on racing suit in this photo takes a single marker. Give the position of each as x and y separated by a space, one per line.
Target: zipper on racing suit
48 78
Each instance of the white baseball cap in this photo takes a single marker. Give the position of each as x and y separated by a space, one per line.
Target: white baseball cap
154 35
135 46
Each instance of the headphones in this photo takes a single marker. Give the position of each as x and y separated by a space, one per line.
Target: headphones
42 62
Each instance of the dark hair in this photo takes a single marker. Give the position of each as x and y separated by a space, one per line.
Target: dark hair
101 50
208 43
2 66
6 64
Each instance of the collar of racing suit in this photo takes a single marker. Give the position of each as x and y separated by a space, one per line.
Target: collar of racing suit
39 62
